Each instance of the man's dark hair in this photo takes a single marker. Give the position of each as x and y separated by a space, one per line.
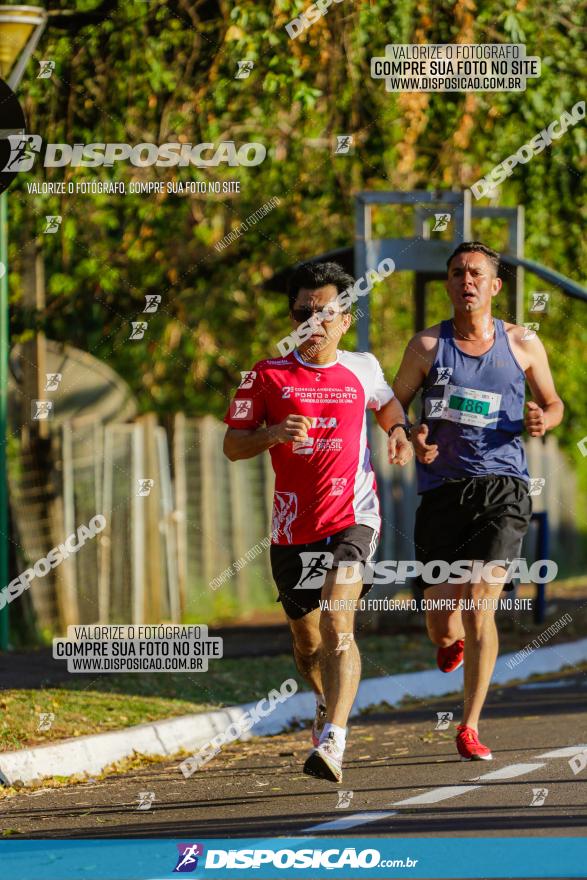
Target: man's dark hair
314 275
468 247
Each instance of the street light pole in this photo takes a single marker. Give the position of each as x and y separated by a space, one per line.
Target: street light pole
20 31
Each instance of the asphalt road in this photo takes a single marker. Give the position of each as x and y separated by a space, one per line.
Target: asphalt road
405 779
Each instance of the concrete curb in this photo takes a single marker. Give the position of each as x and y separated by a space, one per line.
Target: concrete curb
90 754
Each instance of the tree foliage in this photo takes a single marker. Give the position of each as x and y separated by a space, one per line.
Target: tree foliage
165 71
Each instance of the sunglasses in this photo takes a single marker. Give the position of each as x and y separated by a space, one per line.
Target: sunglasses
304 314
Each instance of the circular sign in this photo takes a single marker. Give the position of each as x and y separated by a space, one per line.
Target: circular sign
12 127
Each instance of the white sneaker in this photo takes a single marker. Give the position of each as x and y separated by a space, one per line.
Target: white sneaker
325 761
318 725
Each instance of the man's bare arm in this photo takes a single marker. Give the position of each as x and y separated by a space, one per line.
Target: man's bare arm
547 409
416 362
246 444
389 414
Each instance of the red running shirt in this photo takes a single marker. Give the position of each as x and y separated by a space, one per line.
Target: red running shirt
325 483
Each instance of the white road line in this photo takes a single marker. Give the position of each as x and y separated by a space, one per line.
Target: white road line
509 772
567 752
436 795
348 822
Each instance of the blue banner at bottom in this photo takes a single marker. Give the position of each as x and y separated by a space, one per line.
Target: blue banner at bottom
303 858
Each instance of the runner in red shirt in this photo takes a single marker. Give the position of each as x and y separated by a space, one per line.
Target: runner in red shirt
313 405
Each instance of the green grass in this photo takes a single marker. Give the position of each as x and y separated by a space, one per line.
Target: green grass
86 705
110 702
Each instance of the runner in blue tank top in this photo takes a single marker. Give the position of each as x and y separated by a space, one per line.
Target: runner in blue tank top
471 465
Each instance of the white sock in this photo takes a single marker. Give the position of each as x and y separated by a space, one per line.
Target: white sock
339 734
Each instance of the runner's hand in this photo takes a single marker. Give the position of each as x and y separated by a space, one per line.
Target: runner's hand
292 428
534 420
425 453
399 449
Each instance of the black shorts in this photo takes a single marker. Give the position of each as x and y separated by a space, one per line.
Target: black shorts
478 518
300 578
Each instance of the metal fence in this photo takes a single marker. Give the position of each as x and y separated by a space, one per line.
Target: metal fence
187 531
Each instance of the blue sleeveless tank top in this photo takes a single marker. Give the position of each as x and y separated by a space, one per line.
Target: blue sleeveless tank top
474 409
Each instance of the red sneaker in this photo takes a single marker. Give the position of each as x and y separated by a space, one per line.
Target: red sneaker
449 659
469 747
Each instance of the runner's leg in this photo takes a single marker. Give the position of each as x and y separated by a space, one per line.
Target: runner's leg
481 644
445 626
306 648
340 661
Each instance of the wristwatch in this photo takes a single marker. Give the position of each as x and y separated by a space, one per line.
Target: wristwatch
407 426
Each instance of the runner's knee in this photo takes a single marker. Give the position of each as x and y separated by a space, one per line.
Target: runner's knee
306 638
333 625
442 631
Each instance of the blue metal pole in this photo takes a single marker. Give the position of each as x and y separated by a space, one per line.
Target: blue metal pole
541 553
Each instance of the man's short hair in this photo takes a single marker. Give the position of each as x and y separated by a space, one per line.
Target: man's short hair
314 275
468 247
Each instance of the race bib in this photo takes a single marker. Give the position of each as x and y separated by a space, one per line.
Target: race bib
467 406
